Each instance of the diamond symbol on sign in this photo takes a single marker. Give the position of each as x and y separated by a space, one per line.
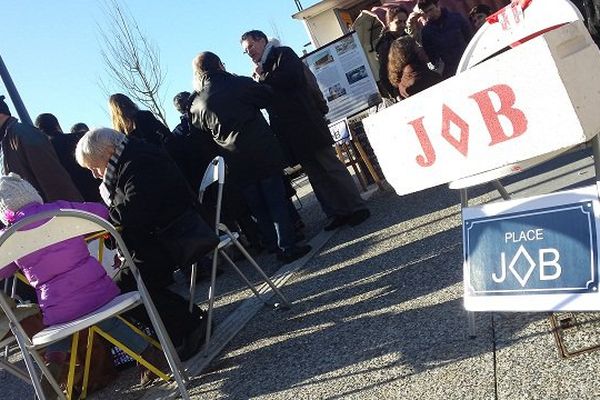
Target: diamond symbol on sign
462 143
511 267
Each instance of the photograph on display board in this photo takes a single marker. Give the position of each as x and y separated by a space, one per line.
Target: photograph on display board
357 74
335 91
324 61
345 45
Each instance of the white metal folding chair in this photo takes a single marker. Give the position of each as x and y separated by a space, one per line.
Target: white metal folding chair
25 237
7 343
215 172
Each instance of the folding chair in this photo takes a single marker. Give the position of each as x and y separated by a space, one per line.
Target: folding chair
5 365
27 236
215 172
10 284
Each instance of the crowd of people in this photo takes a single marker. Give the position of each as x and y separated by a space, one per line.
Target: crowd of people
422 47
144 178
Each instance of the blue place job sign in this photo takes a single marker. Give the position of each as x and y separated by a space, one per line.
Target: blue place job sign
550 253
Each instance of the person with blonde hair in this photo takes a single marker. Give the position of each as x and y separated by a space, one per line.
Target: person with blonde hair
129 119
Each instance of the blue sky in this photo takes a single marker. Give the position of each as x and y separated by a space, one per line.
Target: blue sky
51 48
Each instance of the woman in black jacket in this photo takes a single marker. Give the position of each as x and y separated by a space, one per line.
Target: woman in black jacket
145 192
130 120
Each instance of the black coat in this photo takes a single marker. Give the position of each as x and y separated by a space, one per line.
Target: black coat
149 193
590 9
192 151
228 108
64 145
293 115
150 129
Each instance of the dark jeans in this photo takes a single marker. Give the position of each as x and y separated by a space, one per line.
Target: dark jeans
268 202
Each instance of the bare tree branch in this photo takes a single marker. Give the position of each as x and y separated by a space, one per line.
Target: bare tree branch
131 60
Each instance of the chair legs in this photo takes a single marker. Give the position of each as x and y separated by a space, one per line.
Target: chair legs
241 274
35 379
6 366
193 285
211 297
259 270
213 276
31 357
72 364
165 342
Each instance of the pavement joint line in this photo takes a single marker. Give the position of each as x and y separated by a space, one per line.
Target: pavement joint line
234 323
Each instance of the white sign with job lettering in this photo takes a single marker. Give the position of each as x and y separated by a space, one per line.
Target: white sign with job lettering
539 97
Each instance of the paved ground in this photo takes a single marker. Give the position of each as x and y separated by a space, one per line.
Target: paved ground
377 314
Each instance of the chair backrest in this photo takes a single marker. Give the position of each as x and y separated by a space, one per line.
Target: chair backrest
24 237
215 172
38 231
44 229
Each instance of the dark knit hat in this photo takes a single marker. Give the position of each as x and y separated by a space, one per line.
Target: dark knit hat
3 106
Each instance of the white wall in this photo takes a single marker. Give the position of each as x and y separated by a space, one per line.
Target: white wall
324 28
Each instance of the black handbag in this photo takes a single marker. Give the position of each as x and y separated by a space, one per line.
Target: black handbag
187 238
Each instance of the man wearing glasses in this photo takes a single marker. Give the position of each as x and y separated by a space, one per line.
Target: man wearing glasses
297 119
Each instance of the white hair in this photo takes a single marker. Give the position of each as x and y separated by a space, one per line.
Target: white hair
97 145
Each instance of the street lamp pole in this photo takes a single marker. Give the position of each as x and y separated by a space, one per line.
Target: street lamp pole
14 94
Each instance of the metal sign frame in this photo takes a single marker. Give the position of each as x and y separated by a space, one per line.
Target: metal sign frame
508 275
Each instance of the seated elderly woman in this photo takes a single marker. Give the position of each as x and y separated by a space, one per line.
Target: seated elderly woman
146 193
407 68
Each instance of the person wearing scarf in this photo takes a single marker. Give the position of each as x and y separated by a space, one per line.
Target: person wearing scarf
299 123
145 191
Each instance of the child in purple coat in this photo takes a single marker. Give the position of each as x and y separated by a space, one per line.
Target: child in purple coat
68 281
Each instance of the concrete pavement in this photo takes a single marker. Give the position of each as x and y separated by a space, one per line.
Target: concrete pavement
377 314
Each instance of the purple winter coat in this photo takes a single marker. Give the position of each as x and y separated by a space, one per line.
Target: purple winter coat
69 282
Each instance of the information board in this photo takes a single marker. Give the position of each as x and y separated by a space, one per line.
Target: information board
536 254
344 77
